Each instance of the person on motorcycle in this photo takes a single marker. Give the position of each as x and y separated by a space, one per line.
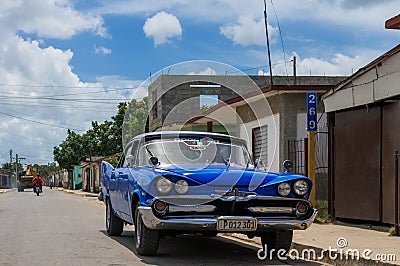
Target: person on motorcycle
38 181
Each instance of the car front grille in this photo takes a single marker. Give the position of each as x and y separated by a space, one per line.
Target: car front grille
266 208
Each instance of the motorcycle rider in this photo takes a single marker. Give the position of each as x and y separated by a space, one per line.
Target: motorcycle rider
38 181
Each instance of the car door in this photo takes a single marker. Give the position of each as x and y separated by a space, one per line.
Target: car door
126 177
114 186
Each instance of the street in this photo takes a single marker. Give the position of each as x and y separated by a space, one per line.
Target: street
57 228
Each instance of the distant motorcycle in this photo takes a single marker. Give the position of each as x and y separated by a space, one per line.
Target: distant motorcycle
37 190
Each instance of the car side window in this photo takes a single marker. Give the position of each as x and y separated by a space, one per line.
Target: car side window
127 152
134 152
143 154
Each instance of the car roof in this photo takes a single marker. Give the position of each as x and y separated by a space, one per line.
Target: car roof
187 134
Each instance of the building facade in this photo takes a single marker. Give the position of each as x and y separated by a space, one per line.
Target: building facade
364 124
91 171
268 117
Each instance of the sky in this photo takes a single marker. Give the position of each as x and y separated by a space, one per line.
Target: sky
65 63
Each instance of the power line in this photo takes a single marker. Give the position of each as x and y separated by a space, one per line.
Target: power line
60 86
13 135
94 100
97 108
42 123
257 67
79 93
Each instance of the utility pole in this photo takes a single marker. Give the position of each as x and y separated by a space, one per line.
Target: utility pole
396 194
294 70
266 32
16 168
10 176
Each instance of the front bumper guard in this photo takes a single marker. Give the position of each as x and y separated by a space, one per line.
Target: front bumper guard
210 224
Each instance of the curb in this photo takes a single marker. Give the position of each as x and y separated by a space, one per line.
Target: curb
79 193
341 258
3 191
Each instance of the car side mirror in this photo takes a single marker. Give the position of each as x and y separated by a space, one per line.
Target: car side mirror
287 165
153 161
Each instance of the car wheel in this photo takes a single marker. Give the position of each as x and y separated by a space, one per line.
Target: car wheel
146 240
280 239
114 224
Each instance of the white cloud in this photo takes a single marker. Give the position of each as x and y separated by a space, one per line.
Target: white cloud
42 96
162 27
48 18
130 89
102 50
354 14
339 64
247 31
207 71
261 72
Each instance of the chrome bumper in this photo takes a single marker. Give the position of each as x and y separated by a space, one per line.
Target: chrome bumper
210 224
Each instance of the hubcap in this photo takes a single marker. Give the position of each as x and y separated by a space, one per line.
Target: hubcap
108 218
138 229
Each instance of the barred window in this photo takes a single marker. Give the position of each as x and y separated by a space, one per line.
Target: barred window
260 146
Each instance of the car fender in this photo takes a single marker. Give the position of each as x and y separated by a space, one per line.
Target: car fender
106 171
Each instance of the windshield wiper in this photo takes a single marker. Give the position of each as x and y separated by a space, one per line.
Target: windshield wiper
151 154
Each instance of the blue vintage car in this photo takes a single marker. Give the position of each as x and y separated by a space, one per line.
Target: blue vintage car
170 183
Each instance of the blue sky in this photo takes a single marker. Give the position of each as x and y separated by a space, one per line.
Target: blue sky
238 38
86 51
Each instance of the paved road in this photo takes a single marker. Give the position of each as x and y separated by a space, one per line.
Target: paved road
57 228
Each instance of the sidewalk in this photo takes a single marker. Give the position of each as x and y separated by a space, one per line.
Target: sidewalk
5 190
78 192
374 247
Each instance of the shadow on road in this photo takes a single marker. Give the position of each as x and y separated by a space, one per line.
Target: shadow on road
201 250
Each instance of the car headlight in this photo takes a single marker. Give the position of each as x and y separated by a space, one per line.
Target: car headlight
163 186
284 189
300 187
181 186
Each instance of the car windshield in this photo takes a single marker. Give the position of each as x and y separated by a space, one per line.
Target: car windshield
195 152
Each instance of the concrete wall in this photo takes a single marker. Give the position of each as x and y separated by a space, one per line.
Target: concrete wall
77 177
289 109
378 83
174 101
273 154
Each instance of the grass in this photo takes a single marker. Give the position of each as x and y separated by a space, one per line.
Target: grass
391 231
323 216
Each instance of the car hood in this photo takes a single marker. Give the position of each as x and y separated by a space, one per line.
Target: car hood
220 175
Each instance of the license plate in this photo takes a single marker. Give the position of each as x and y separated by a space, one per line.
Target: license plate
236 224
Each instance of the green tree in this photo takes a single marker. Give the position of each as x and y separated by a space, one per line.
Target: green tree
104 139
70 151
136 119
205 107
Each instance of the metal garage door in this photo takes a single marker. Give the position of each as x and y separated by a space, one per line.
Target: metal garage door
390 143
356 163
